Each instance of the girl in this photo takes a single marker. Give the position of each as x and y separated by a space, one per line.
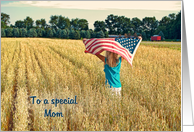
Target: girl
112 65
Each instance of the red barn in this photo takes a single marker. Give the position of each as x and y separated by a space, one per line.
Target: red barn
156 38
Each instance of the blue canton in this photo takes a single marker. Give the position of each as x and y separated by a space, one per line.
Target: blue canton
128 43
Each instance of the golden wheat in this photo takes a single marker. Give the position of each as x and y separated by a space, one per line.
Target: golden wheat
59 69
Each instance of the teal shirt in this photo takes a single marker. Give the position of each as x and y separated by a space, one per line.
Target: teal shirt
112 74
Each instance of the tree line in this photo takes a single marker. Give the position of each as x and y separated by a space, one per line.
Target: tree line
169 27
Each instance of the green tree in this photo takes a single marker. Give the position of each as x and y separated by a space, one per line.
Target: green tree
3 25
149 25
63 22
83 34
64 34
3 34
50 33
110 22
15 32
92 33
28 22
72 34
43 23
74 24
38 23
82 24
54 32
32 33
40 32
53 21
76 35
88 34
20 24
99 25
5 18
9 32
106 34
144 37
68 32
58 34
100 34
136 23
23 32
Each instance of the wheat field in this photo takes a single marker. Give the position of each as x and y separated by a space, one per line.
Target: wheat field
59 69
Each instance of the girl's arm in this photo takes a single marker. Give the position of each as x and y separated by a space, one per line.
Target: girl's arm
102 58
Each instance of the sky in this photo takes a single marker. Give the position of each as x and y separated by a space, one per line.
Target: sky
89 10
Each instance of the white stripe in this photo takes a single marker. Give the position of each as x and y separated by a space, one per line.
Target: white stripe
107 41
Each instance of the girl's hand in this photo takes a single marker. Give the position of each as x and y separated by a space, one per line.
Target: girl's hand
139 37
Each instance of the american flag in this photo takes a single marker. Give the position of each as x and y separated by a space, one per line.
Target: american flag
125 47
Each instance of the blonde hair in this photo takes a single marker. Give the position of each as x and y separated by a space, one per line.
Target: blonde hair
112 58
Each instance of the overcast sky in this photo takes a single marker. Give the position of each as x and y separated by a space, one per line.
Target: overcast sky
90 10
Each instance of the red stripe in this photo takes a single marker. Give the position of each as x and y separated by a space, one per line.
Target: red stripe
113 39
88 46
114 45
88 41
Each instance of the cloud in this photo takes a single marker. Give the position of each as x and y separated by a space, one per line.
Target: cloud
100 5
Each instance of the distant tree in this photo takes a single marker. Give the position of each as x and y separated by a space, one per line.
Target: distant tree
53 21
5 18
58 34
136 23
161 34
72 34
54 32
82 24
77 35
88 34
68 31
3 34
83 34
15 32
92 34
23 32
63 23
99 25
64 34
12 26
40 32
100 34
3 25
74 24
32 33
38 23
43 23
28 22
20 24
106 34
144 36
50 33
9 32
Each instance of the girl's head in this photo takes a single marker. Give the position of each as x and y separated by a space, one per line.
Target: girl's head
112 58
